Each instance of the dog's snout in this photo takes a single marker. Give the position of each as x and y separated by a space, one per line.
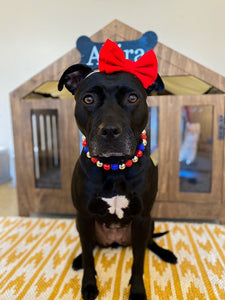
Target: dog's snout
110 131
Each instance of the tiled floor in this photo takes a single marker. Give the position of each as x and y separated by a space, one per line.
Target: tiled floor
8 200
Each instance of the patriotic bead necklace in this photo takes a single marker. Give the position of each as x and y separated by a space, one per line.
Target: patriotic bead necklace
115 167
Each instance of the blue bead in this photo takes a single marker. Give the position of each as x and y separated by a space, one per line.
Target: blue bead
114 167
141 147
86 149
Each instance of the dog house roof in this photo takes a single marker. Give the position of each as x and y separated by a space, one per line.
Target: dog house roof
181 75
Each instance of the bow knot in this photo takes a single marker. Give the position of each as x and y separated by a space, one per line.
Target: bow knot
112 59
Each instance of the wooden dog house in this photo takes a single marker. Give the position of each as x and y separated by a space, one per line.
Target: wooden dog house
47 141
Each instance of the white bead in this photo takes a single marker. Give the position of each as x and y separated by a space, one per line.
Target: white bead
122 167
99 164
135 159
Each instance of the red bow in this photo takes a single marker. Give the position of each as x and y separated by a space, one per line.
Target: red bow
112 59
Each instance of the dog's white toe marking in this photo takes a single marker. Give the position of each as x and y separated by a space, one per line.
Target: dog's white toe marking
116 204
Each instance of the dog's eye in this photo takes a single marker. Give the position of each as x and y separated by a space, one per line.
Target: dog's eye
88 99
132 98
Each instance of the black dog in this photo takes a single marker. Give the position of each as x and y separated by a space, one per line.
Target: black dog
113 189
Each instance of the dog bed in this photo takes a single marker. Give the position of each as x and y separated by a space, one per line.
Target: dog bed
36 256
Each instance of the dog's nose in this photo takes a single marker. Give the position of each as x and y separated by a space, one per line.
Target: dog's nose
110 131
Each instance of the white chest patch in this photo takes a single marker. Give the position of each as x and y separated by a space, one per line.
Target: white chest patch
116 204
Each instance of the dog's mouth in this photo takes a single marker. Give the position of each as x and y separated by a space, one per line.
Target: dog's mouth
113 159
112 154
107 149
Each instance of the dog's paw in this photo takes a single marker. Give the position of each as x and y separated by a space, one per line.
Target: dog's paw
77 263
137 290
89 292
137 296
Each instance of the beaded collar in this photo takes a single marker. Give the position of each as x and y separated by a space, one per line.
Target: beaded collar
114 167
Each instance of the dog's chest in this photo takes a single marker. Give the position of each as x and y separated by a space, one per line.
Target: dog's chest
114 227
116 205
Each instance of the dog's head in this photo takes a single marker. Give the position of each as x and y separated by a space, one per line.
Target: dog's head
111 109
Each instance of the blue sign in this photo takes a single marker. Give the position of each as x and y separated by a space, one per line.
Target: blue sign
133 49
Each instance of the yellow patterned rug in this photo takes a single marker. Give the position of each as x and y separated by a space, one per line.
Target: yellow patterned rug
36 257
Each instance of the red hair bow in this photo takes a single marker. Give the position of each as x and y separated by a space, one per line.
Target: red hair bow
112 59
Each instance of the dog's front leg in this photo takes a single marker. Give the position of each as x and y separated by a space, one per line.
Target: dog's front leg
140 233
85 226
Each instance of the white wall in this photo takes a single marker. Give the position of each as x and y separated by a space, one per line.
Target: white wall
35 33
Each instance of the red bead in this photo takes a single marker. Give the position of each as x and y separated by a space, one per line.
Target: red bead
107 167
94 160
139 153
129 163
144 136
84 143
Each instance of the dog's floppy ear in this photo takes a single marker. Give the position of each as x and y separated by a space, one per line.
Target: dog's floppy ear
72 77
157 86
